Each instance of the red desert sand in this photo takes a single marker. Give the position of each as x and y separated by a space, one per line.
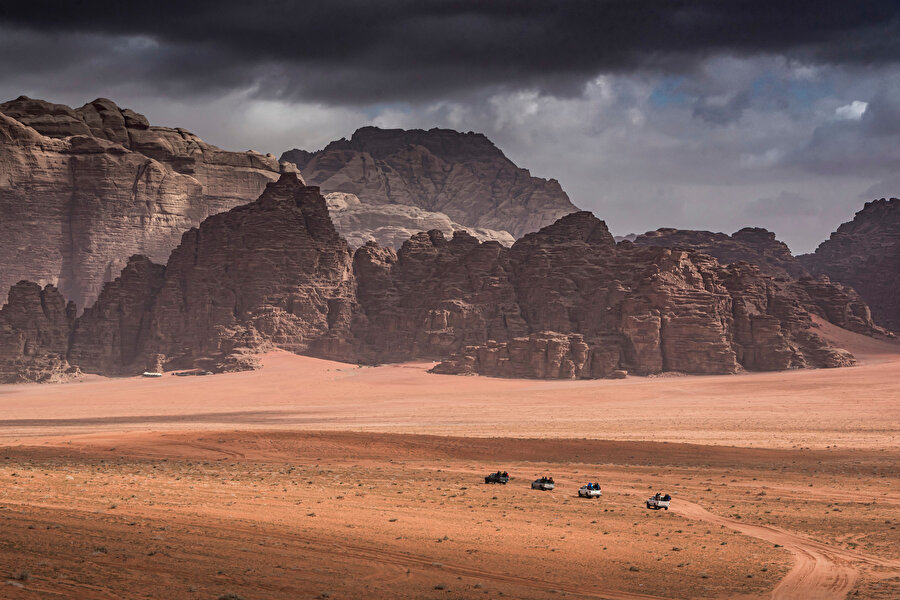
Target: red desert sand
316 479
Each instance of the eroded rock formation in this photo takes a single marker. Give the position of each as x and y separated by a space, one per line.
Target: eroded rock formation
841 305
462 175
433 297
271 272
35 325
750 244
566 301
392 224
110 336
643 309
864 254
83 189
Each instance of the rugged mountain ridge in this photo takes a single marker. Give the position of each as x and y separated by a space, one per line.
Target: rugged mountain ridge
642 309
566 301
837 303
865 253
82 189
462 175
392 224
750 244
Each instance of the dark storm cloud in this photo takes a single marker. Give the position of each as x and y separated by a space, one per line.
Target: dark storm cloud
362 52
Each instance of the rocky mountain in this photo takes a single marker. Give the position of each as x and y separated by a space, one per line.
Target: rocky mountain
750 244
270 273
82 189
35 326
566 301
392 224
643 309
865 253
840 304
462 175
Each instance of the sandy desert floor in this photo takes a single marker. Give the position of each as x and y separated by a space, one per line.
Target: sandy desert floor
314 479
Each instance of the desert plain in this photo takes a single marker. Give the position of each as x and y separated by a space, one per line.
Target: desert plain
318 479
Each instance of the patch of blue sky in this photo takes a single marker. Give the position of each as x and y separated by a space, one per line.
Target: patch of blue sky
374 110
792 93
669 93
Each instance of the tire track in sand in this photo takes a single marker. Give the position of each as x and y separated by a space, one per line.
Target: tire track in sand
820 571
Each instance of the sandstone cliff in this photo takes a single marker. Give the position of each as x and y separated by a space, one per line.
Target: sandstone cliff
642 309
433 297
271 272
567 301
35 325
392 224
864 254
839 304
750 244
111 335
83 189
462 175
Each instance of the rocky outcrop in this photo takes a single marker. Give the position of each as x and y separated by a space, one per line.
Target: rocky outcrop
839 304
433 297
110 336
750 244
273 272
83 189
864 254
642 309
462 175
35 325
564 302
543 355
392 224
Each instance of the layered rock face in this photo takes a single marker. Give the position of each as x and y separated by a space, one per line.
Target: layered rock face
642 309
462 175
34 334
433 297
392 224
837 303
545 355
563 302
271 272
110 336
83 189
864 254
750 244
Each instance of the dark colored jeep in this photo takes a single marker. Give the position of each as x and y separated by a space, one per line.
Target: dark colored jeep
498 477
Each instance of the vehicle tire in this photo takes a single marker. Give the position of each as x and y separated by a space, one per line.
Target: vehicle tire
648 505
666 507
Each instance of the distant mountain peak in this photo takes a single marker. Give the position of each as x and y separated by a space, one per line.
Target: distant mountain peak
463 175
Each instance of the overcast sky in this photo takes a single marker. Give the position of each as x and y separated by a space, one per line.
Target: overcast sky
714 114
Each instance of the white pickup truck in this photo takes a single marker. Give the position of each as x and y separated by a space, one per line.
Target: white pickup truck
658 501
544 483
590 490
